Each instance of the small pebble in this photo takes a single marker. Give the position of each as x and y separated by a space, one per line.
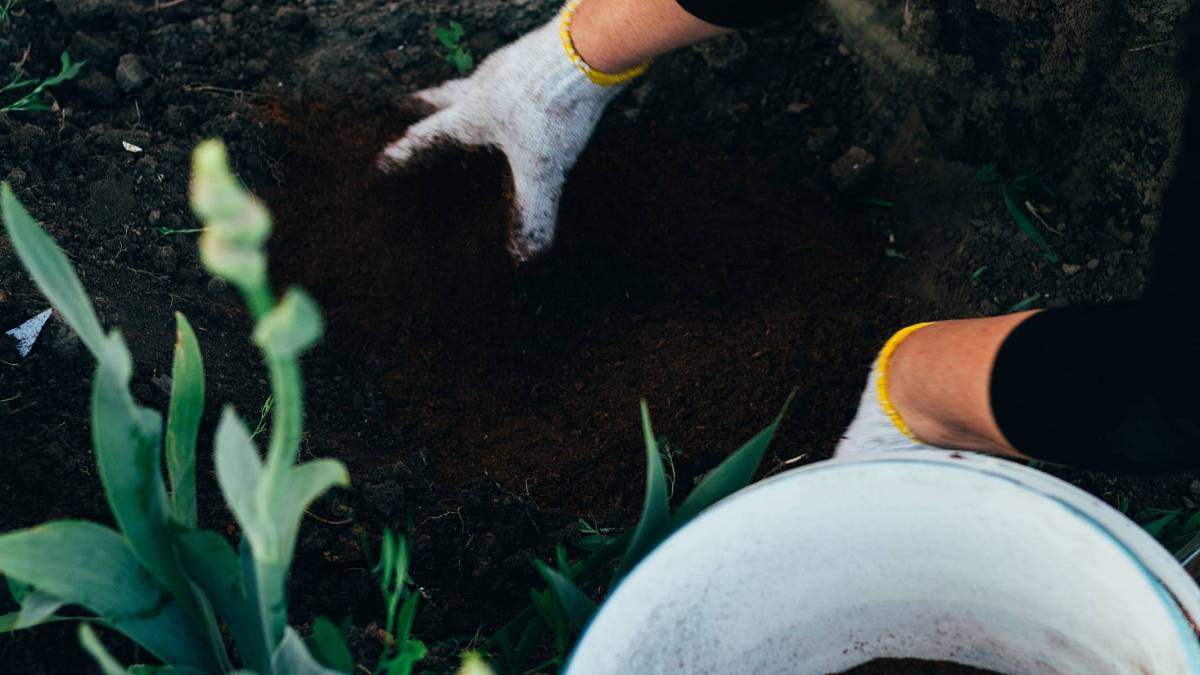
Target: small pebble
131 74
854 170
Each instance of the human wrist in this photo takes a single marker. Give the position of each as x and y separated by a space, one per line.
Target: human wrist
594 48
938 383
614 36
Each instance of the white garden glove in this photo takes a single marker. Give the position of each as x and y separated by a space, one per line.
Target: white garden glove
536 101
877 427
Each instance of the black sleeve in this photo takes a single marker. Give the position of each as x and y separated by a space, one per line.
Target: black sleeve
737 13
1117 386
1101 387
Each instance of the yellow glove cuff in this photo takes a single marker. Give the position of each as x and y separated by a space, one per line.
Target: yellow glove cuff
597 77
881 364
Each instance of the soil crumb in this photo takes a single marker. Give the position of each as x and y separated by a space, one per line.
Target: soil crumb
915 667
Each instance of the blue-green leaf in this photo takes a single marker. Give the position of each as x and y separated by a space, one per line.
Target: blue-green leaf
550 611
1156 527
183 421
652 526
214 567
292 657
127 443
303 484
51 271
89 565
1012 192
328 647
576 606
239 471
731 475
37 608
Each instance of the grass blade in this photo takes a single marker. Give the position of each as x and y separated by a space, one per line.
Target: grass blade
1012 202
183 421
652 525
51 271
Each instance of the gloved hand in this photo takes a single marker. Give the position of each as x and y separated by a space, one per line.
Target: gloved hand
535 100
877 427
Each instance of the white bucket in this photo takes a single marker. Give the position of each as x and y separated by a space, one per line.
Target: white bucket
931 555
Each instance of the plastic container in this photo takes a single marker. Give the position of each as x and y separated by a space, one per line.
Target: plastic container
931 555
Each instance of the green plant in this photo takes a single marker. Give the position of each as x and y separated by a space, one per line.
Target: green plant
457 54
565 604
1173 528
158 579
37 99
401 652
1016 199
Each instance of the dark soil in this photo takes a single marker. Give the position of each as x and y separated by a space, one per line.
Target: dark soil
702 263
914 667
707 287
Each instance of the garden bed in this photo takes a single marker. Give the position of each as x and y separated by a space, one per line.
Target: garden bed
703 263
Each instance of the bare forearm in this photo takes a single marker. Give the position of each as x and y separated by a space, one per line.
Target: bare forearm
615 35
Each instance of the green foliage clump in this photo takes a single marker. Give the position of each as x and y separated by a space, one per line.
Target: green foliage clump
158 579
1016 197
564 606
457 54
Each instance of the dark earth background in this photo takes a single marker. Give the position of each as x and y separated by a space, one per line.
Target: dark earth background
710 257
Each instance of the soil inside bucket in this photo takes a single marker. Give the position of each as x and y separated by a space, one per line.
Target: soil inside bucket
915 667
